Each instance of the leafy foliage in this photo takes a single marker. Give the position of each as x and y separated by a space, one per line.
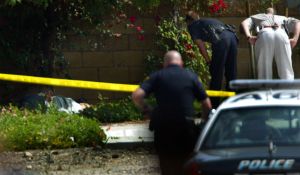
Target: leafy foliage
113 111
21 130
172 36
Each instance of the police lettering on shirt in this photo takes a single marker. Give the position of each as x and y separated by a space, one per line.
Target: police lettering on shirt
274 164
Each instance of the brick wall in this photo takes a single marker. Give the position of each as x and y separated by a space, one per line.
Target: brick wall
121 60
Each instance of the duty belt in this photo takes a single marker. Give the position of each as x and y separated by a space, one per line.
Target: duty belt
274 27
214 31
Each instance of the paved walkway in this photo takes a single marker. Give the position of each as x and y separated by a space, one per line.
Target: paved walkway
128 132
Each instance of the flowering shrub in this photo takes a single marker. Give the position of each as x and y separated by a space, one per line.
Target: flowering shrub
139 29
172 37
216 7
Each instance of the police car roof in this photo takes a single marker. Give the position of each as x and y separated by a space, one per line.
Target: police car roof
276 93
264 84
264 98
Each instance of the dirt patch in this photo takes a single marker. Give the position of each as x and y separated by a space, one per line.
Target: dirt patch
133 160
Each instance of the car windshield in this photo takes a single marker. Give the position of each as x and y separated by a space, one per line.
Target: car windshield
244 127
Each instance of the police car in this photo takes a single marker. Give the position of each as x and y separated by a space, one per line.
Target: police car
252 133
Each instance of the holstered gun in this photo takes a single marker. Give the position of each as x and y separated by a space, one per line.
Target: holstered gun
216 31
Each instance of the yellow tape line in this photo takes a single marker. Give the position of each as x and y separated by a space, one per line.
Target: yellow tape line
69 83
88 84
212 93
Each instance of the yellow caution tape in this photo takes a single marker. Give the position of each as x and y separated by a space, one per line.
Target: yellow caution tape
212 93
69 83
88 84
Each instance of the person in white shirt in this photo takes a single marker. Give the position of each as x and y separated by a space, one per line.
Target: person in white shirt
272 40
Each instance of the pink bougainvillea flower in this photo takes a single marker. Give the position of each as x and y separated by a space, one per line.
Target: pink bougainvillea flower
141 37
222 4
216 7
132 19
188 46
211 9
139 28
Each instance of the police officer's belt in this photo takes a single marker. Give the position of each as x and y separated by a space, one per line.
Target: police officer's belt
272 26
217 29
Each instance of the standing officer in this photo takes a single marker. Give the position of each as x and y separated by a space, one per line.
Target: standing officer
224 49
175 90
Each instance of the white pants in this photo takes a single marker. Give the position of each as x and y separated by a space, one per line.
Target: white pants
273 43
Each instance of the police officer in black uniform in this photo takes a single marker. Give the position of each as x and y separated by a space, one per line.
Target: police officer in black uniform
175 90
224 43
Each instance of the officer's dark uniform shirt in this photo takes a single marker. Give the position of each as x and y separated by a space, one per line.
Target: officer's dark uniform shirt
224 44
203 28
175 90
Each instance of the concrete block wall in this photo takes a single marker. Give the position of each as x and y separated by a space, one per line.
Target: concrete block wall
115 60
121 60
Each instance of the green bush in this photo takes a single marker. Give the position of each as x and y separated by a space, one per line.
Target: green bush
113 111
21 130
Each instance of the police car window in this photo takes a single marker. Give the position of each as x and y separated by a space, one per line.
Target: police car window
254 127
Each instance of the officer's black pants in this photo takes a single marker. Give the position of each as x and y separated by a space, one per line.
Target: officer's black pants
223 63
174 144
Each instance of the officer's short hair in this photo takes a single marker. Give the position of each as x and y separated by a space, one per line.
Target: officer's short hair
270 10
